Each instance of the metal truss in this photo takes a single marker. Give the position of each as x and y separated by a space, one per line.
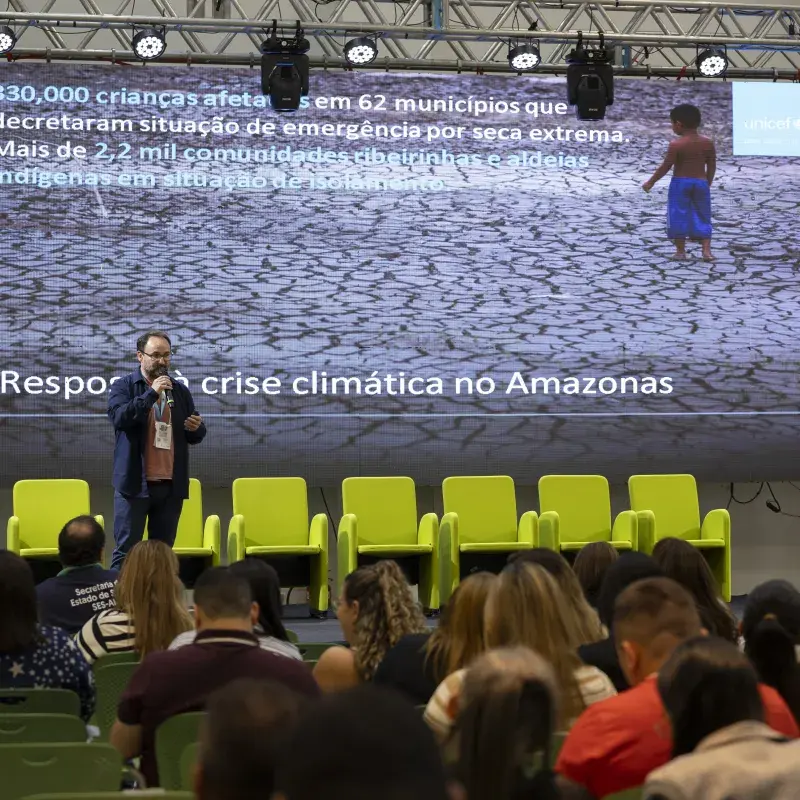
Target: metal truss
650 38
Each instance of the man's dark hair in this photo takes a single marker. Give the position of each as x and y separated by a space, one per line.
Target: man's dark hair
656 612
243 737
142 341
627 569
81 542
688 115
221 594
381 749
18 614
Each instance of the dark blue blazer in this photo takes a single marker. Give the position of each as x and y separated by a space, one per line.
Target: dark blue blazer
129 402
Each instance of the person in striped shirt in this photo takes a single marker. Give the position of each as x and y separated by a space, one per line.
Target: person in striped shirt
149 611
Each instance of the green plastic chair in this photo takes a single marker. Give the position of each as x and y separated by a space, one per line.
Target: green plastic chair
311 651
189 758
39 701
380 520
270 521
480 516
293 637
555 747
41 507
667 505
173 736
128 657
110 682
575 510
31 769
195 539
139 793
34 728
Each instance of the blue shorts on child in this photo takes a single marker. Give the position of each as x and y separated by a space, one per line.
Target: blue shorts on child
689 209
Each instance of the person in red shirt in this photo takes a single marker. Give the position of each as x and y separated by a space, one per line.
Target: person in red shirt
615 743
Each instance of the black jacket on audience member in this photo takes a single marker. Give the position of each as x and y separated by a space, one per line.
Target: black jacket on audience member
406 668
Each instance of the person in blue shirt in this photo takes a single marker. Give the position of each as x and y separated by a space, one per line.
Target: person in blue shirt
84 586
154 421
34 656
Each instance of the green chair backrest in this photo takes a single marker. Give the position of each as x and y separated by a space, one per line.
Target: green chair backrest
275 511
33 728
486 507
583 504
673 500
128 657
189 758
31 769
292 636
190 525
311 651
43 506
386 509
173 736
139 794
39 701
110 682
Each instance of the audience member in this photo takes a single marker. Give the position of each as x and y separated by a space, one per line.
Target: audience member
419 662
149 611
616 744
627 569
524 608
685 564
590 567
362 744
33 655
771 631
242 739
84 586
503 735
580 618
376 610
721 746
172 682
266 590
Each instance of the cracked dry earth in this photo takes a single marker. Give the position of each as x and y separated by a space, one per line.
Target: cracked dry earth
547 271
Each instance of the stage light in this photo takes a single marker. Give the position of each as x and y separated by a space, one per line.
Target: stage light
7 40
149 44
284 69
712 63
590 80
361 51
524 58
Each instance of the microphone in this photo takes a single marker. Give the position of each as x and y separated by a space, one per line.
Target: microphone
167 392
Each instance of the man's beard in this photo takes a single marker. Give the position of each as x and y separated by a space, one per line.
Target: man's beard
155 372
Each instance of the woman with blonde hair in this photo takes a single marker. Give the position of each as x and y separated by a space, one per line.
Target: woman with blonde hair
149 610
376 609
580 618
501 746
525 608
419 662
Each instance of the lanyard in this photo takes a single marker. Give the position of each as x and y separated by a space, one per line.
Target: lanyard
158 408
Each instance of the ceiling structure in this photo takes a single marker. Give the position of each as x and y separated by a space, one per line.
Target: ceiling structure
649 38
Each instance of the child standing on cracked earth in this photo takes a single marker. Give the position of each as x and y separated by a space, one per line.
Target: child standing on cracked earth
693 161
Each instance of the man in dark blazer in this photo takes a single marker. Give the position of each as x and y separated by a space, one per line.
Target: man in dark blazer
154 422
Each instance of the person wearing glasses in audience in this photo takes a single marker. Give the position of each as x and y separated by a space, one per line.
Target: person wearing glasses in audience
154 421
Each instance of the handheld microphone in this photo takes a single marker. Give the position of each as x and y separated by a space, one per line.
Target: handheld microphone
167 392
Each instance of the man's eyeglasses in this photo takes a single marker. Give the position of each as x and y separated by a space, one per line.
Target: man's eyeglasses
157 356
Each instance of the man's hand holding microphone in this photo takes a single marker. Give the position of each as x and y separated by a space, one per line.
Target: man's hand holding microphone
163 384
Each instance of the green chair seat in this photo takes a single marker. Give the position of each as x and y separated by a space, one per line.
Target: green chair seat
173 736
395 549
41 507
480 517
492 547
667 506
271 521
39 701
35 728
574 546
379 519
283 550
31 769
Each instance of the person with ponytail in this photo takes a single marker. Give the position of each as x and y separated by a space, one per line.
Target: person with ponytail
771 630
376 609
500 747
